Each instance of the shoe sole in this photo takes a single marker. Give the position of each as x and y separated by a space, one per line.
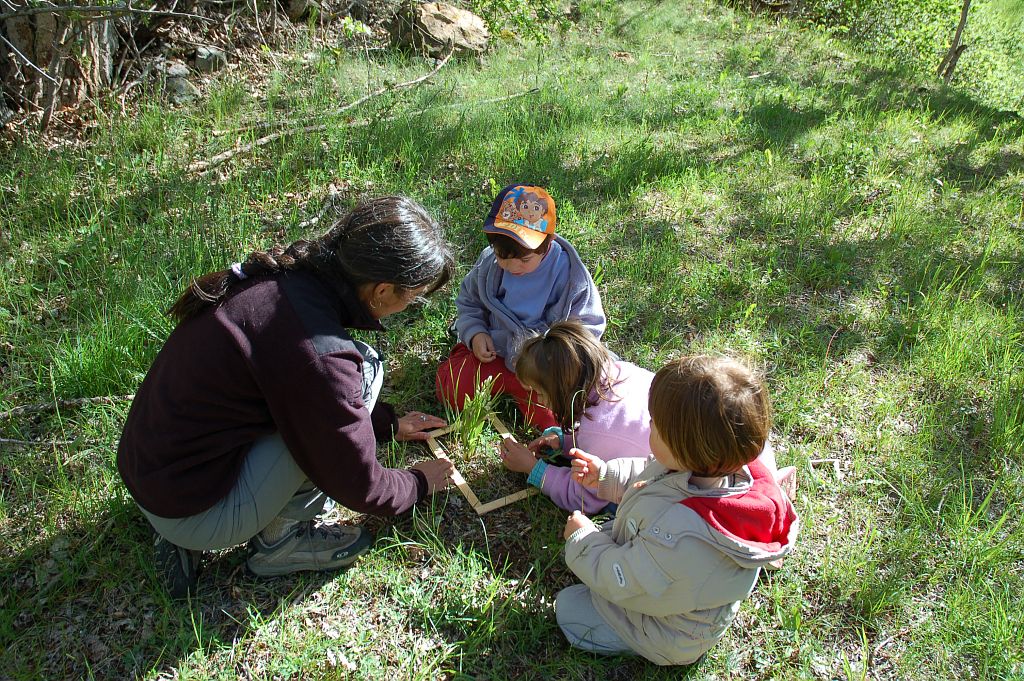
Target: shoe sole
357 549
185 581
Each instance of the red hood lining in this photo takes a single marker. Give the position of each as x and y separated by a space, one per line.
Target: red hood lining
759 517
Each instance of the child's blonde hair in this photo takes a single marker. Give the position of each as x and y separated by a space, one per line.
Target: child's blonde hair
712 412
567 364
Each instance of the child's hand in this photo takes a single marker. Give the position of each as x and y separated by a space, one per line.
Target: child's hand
586 468
483 347
575 522
550 441
515 456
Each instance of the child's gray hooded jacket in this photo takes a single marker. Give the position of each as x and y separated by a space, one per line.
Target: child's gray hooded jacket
481 311
670 573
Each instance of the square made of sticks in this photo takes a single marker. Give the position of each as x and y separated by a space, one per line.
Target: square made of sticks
460 482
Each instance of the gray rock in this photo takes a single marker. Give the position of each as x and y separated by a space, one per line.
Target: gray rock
210 59
429 27
5 113
298 10
174 69
180 90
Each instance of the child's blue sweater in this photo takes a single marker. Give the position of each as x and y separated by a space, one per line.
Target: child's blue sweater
481 309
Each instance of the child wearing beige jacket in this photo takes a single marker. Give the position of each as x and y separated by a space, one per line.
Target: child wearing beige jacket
695 524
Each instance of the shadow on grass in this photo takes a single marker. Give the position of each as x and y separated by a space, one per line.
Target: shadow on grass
87 604
506 629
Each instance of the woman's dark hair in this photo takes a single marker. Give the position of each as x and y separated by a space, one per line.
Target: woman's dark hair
391 239
506 247
570 367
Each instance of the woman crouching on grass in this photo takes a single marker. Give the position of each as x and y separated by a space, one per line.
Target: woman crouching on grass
261 405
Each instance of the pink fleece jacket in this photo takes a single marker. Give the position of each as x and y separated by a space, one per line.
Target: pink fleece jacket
609 430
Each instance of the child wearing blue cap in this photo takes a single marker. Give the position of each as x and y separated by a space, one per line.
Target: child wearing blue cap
525 280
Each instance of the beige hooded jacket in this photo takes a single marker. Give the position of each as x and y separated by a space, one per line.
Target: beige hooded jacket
671 571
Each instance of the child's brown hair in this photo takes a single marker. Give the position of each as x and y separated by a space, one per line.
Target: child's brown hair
505 247
567 364
712 412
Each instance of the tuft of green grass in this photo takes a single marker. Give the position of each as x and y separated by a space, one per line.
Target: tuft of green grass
470 422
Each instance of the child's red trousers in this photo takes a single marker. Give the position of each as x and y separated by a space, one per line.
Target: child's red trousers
459 375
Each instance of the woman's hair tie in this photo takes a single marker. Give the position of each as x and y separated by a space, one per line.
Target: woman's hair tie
236 269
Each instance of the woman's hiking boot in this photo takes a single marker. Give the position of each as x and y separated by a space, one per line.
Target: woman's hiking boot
306 546
177 567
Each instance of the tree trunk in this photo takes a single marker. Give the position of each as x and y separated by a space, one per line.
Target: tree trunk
48 61
948 63
98 47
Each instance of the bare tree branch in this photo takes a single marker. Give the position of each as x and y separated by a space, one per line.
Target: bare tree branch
56 67
205 166
948 63
26 60
99 11
61 404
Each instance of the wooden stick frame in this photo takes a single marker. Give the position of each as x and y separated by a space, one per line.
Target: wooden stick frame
460 482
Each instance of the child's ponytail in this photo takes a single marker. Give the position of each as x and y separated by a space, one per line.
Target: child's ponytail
391 239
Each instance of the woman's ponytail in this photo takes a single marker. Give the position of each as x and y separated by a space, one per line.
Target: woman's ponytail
390 239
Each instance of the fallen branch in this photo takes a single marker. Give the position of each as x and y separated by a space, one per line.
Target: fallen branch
27 61
206 166
34 443
417 112
98 11
62 404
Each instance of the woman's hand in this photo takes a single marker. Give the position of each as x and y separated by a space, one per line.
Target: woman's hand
482 346
438 473
515 456
415 426
575 522
550 441
586 468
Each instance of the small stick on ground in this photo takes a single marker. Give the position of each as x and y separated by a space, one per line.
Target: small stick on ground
835 466
204 166
457 478
62 404
358 123
34 443
438 451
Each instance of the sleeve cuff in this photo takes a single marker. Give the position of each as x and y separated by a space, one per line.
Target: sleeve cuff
536 477
555 430
578 534
421 484
384 421
466 336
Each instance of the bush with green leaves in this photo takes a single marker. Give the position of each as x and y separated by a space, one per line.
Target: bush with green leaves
917 33
526 20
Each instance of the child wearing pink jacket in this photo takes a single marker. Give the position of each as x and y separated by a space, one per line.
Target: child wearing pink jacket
599 401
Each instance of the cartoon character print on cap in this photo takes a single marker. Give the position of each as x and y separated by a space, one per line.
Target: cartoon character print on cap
532 208
508 212
523 212
527 208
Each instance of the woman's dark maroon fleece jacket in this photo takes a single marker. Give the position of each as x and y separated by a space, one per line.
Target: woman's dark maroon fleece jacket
273 356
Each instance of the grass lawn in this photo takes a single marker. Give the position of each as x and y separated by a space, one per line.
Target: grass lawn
735 185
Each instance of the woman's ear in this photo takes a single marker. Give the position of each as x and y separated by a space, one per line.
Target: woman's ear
381 292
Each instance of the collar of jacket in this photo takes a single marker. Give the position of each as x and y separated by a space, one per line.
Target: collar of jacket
350 308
